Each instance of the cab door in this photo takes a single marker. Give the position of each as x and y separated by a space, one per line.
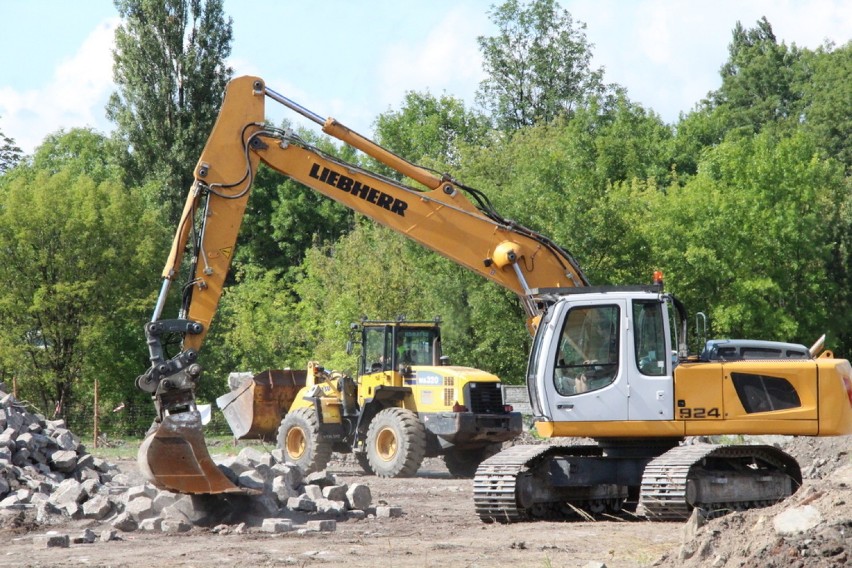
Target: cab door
580 370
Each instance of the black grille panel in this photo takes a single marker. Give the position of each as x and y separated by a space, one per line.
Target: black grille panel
484 398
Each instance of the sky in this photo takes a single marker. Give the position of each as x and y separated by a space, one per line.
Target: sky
355 59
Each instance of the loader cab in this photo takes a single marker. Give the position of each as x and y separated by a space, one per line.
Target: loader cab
396 345
604 354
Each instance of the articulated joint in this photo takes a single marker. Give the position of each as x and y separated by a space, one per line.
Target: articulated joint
172 382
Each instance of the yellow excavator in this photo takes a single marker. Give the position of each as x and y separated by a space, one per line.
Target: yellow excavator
607 363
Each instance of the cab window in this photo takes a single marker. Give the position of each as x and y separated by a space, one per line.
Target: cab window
650 339
587 358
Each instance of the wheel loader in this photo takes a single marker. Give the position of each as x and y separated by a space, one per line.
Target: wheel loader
607 363
406 403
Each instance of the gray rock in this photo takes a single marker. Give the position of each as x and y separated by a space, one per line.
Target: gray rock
69 491
388 512
172 526
97 507
86 537
64 460
252 479
125 522
276 526
796 520
321 478
51 539
331 507
335 492
313 492
301 503
141 508
152 524
327 525
359 496
108 535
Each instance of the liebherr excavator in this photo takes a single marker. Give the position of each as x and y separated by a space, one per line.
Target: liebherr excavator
607 363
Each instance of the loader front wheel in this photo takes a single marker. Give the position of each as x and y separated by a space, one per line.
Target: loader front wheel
396 443
299 440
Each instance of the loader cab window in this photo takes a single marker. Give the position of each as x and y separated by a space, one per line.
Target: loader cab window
587 358
650 338
414 346
378 347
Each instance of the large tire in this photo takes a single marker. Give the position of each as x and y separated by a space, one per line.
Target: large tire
463 462
396 443
299 440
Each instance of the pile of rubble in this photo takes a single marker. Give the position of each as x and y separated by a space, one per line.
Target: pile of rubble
48 478
812 528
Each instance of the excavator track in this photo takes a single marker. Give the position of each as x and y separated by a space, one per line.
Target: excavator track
498 491
716 479
496 479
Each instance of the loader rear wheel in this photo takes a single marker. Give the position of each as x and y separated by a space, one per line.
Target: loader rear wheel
463 462
396 443
299 440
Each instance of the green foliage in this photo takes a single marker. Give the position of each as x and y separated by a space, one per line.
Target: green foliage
10 154
77 252
538 66
751 239
169 66
429 130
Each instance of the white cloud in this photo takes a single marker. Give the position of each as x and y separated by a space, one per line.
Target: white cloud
448 59
75 96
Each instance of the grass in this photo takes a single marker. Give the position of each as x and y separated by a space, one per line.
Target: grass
127 448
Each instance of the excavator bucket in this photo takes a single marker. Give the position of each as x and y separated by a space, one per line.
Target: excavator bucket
174 457
255 406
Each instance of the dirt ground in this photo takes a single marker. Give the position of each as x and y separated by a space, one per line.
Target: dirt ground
438 528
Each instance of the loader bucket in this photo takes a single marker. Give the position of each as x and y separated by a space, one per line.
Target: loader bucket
174 457
256 405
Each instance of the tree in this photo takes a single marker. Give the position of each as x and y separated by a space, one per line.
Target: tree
77 252
169 66
538 66
429 130
10 154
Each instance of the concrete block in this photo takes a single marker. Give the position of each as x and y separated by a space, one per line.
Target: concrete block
51 539
125 522
356 514
65 440
282 490
327 525
331 507
335 492
64 460
172 526
253 457
69 491
144 490
97 507
151 524
388 512
359 496
301 503
252 479
321 478
108 535
290 474
164 499
313 492
141 508
86 537
277 526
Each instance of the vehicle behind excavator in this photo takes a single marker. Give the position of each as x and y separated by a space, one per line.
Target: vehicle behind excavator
405 403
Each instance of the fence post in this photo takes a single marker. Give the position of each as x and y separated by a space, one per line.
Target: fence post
95 433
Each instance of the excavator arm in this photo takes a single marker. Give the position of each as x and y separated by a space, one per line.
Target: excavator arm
438 215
